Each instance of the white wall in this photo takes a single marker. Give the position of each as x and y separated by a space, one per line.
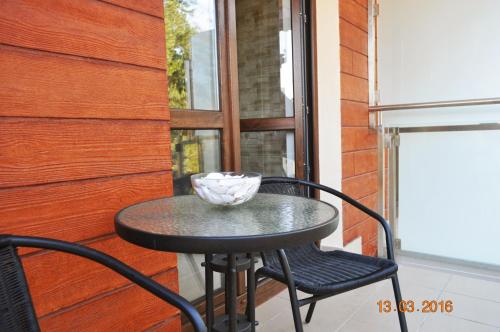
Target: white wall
433 50
329 131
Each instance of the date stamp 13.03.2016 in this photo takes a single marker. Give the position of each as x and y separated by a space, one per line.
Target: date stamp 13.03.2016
425 306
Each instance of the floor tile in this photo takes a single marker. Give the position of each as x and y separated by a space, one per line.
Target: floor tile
474 309
413 276
355 326
271 309
329 314
474 287
452 324
370 313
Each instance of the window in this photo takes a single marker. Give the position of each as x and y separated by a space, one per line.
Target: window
268 152
192 59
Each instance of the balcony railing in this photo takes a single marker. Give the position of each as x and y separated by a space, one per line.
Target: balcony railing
442 177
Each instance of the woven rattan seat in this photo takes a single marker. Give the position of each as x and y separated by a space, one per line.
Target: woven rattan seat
328 272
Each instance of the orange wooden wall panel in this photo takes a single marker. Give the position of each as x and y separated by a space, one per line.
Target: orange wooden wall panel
130 308
50 85
354 114
365 161
36 151
171 325
353 37
78 210
353 216
87 28
359 143
59 280
154 8
360 186
358 138
353 88
84 132
354 13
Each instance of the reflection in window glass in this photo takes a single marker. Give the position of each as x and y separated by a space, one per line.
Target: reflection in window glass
191 44
271 153
192 276
265 66
193 151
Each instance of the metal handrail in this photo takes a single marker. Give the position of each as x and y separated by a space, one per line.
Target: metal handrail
434 104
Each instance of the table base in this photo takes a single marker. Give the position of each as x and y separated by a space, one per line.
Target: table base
222 324
219 263
230 265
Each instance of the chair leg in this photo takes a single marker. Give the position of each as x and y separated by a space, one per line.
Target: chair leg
397 295
310 312
291 290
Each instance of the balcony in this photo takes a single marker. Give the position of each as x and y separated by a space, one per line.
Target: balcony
107 104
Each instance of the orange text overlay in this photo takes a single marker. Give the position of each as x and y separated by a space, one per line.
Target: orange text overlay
425 306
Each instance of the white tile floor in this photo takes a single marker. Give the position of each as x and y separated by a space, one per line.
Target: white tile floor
475 295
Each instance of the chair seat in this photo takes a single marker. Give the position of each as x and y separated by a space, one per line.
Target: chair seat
328 272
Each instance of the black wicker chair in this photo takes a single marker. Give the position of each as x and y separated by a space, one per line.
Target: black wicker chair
16 308
325 273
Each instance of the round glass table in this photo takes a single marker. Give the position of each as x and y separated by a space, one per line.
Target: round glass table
186 224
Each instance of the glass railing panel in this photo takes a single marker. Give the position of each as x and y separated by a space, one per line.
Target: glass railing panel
449 192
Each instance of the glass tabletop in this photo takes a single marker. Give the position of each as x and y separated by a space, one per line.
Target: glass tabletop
170 221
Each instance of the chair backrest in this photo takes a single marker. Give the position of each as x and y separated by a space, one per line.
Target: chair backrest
17 313
274 183
291 189
282 188
16 309
182 185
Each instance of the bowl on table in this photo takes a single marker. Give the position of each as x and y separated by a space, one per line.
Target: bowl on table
226 188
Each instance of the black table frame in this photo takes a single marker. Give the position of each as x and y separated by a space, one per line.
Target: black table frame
223 245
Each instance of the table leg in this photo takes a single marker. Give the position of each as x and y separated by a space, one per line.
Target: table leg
251 291
209 292
227 286
231 275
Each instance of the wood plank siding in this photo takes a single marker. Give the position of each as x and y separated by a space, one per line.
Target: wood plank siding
359 143
84 132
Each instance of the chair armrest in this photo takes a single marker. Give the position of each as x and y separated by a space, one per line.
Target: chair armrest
126 271
344 197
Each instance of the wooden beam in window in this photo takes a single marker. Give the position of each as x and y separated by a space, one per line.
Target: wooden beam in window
187 119
267 124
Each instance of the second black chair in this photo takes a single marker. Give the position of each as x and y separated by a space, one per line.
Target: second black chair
323 274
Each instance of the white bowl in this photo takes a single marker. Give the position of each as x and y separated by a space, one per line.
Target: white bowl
226 188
